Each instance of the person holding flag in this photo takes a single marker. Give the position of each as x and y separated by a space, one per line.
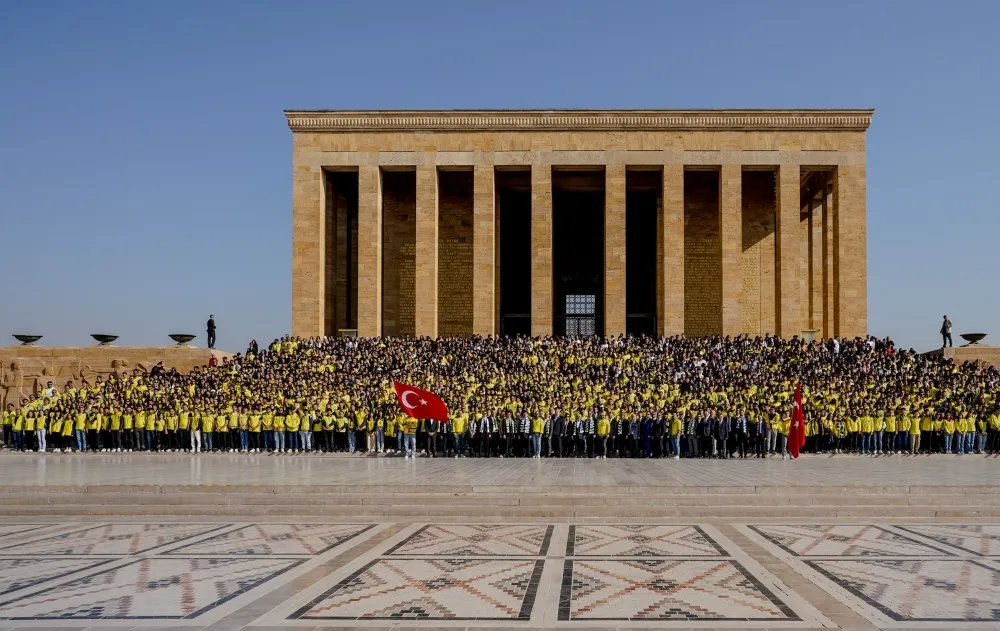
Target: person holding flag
418 404
797 428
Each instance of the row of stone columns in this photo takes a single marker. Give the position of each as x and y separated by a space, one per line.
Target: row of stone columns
846 289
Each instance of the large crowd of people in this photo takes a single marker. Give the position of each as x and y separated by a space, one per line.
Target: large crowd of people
634 397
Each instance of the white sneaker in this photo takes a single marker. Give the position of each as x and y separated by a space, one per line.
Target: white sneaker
677 457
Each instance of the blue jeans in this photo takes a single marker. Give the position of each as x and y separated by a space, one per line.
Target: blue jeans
244 439
459 444
960 443
866 442
81 439
350 441
279 440
981 442
878 441
675 444
379 439
269 439
947 443
293 441
536 444
409 444
206 441
18 439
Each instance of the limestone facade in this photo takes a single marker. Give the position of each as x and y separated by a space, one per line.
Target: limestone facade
760 226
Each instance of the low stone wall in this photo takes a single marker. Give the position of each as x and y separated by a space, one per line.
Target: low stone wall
25 370
971 352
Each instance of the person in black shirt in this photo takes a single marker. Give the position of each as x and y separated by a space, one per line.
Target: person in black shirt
211 331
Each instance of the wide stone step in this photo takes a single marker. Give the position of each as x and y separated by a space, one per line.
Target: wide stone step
507 512
405 499
573 501
534 490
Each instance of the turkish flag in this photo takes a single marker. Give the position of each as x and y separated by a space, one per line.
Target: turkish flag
797 429
421 404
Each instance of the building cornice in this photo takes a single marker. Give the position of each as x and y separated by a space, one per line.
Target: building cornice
576 120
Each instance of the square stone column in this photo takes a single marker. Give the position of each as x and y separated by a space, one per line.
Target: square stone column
851 251
483 251
670 246
816 286
790 253
614 250
308 251
426 256
731 233
369 251
829 295
541 249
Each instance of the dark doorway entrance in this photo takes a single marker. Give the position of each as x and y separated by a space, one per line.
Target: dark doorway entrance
643 198
578 248
513 192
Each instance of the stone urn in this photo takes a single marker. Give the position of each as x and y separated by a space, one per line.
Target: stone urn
103 339
27 340
182 338
973 338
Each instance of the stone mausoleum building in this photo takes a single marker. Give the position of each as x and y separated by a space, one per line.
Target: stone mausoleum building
667 222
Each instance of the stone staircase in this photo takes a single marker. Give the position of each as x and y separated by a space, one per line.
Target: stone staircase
458 502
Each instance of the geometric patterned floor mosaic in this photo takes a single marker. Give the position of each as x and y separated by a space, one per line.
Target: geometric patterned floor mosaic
928 574
666 589
937 590
277 539
621 575
979 539
108 539
640 540
476 540
843 540
155 587
432 589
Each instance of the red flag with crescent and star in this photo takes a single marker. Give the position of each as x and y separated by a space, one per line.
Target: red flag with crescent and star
418 403
797 429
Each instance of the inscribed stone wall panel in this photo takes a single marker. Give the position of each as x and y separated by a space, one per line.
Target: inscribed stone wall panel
758 298
455 276
702 254
398 252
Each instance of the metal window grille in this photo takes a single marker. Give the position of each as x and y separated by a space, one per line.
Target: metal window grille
581 311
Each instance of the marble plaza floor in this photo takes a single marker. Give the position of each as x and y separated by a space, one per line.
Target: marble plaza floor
186 574
264 573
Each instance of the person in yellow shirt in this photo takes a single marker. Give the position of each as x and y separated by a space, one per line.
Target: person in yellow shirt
537 427
948 426
994 431
602 430
279 433
410 437
292 424
207 431
255 423
914 436
80 428
459 427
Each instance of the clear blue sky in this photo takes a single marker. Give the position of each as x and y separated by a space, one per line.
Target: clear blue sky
145 161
